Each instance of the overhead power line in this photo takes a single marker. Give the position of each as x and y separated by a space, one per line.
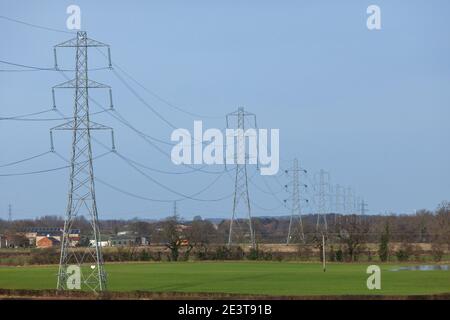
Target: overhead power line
26 115
185 197
33 172
147 138
158 97
25 160
35 25
36 68
27 173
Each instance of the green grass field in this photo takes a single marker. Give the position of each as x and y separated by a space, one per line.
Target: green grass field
272 278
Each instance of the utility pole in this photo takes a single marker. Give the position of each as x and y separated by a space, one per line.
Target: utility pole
323 195
241 195
296 207
324 256
81 200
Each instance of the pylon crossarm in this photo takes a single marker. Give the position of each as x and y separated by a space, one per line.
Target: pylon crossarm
73 43
74 83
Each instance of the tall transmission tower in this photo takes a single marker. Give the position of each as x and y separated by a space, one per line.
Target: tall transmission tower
10 213
363 207
81 200
349 203
338 202
295 222
175 209
241 195
322 189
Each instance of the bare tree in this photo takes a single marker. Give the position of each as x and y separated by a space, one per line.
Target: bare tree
353 235
172 236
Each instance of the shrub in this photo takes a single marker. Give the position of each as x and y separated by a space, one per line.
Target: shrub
144 255
404 252
44 256
339 255
331 254
277 256
157 256
383 251
304 252
222 253
253 254
237 254
417 252
369 255
437 252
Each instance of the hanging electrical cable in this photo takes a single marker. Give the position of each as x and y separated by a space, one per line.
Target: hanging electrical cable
25 160
26 115
33 172
36 25
165 101
45 170
262 190
36 68
184 197
46 119
145 137
264 208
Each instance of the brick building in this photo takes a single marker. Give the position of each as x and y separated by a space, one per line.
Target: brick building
47 242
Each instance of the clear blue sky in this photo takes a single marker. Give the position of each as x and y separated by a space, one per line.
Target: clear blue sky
371 107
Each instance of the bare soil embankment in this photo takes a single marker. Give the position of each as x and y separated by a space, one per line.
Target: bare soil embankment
8 294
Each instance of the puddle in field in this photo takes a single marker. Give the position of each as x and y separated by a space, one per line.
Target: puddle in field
443 267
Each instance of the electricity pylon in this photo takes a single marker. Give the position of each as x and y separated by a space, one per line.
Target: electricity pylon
241 195
9 213
322 195
295 221
349 203
322 189
175 209
339 205
362 207
81 199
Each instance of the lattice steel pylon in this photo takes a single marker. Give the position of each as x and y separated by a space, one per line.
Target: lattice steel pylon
322 193
362 207
241 194
338 202
349 202
295 222
81 200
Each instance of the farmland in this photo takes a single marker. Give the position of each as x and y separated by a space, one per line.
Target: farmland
265 278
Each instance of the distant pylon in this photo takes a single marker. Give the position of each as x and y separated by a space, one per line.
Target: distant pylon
241 195
82 199
338 202
357 204
10 213
349 204
363 207
322 193
175 209
295 227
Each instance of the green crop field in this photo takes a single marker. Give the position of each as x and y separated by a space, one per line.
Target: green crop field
272 278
